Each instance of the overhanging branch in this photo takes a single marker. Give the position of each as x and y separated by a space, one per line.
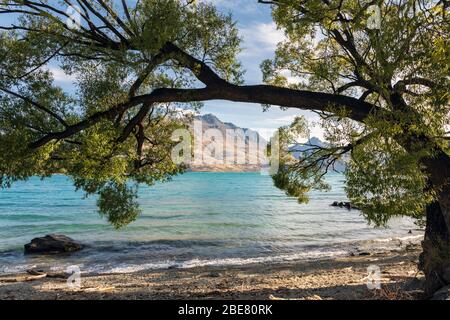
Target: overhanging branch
262 94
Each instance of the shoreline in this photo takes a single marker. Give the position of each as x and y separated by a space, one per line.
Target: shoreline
338 278
17 265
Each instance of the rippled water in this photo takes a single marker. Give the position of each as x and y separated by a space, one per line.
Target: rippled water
197 219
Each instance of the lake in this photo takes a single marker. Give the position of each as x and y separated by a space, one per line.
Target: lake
196 219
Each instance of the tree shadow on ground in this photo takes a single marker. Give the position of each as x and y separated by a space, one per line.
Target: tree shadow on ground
336 279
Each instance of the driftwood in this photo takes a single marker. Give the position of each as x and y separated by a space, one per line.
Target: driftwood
31 275
22 278
313 297
98 289
60 275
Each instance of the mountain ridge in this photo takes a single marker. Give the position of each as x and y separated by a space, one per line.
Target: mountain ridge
211 121
220 162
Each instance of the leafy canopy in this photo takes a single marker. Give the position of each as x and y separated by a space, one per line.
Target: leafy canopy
400 65
115 55
381 94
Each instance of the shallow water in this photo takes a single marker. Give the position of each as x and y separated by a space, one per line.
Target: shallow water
197 219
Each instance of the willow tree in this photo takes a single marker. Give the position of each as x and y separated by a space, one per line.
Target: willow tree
382 94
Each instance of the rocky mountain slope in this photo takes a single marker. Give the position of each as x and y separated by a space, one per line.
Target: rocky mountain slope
227 147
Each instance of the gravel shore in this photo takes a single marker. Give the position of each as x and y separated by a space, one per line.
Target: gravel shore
344 278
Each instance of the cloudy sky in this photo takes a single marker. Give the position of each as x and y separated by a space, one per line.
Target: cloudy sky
260 38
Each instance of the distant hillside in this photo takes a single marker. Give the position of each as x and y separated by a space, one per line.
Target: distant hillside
235 157
299 149
302 147
219 161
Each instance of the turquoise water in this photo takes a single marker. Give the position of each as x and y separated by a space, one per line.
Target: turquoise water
197 219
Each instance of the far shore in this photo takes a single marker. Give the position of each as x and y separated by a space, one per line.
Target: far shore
343 278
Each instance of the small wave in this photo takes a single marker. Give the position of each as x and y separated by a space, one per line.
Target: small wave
412 238
125 256
221 262
306 255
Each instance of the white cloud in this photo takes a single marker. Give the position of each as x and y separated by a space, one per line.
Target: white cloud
60 76
234 5
276 121
290 78
283 120
260 38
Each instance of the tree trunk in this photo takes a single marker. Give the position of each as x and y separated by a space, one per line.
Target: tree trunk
435 258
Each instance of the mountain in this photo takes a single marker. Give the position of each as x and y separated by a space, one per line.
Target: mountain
234 153
298 149
210 121
216 156
302 147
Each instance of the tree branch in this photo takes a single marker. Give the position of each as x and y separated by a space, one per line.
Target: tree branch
37 105
263 94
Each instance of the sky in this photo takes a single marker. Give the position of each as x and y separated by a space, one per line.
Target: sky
260 37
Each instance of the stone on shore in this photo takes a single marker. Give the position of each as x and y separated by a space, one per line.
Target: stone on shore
341 204
52 244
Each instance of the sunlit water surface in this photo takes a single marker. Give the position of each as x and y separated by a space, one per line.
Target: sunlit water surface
197 219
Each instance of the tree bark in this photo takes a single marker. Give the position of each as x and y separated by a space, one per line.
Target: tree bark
435 258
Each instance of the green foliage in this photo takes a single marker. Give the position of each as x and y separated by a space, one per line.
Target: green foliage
158 22
104 157
385 181
402 69
298 176
117 202
330 48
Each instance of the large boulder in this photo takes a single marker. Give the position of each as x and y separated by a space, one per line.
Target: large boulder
52 244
